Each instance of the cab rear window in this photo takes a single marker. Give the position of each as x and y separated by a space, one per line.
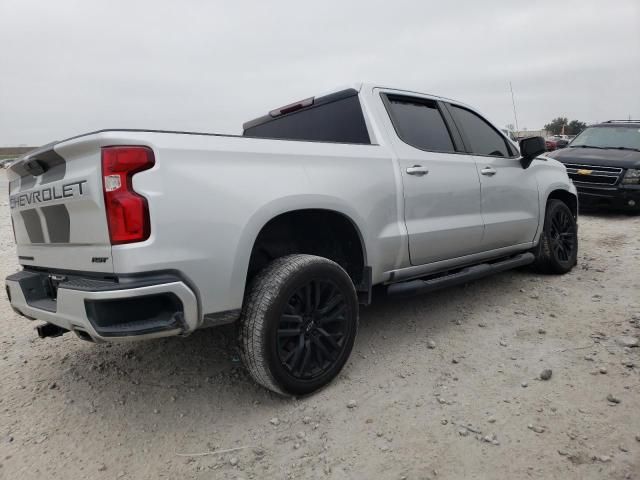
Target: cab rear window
334 118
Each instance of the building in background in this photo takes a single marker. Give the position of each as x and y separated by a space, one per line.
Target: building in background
9 154
531 133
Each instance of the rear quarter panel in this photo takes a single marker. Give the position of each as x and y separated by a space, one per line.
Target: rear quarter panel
209 196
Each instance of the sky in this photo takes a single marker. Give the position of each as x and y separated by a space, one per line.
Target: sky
72 66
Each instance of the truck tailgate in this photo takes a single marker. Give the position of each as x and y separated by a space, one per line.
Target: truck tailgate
57 210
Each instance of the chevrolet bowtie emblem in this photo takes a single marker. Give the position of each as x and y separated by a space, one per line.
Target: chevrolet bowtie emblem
584 172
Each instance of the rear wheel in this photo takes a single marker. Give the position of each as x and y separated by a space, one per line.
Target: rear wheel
557 250
298 324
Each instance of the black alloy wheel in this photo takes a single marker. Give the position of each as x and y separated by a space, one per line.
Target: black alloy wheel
313 329
298 324
557 249
562 235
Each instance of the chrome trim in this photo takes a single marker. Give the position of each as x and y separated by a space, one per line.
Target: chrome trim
602 174
593 167
417 170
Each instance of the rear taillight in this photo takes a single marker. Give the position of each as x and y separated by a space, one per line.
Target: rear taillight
127 211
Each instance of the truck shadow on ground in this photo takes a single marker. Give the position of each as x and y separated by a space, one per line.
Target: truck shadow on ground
203 371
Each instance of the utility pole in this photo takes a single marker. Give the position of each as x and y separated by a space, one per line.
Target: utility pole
515 115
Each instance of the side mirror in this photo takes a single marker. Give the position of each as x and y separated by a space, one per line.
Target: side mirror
530 148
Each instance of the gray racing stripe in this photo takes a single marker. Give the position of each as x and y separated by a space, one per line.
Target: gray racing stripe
58 224
27 182
54 167
14 185
26 179
32 223
57 166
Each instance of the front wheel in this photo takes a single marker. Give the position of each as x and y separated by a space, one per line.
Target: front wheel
557 250
298 324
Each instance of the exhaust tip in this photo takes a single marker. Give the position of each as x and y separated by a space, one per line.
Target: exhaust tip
82 335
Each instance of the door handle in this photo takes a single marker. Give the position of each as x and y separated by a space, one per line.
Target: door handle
417 170
488 171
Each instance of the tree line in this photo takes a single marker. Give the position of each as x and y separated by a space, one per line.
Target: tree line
572 127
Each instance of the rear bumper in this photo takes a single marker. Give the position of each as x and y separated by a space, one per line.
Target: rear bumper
135 308
622 197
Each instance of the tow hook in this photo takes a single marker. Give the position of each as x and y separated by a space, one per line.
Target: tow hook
50 330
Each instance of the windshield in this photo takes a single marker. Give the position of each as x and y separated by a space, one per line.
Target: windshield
609 137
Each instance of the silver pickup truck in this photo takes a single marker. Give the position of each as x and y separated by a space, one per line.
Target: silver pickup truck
136 234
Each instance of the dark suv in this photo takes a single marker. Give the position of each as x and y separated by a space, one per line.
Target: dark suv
604 164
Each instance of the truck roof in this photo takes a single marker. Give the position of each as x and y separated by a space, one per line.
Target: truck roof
331 96
619 123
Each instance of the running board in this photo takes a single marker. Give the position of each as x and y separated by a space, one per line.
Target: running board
467 274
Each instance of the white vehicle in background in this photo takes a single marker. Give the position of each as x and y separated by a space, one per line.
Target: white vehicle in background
4 162
510 134
137 234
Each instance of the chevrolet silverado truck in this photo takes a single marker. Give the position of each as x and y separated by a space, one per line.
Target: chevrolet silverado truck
284 230
604 163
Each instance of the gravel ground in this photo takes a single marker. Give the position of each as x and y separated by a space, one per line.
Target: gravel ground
444 386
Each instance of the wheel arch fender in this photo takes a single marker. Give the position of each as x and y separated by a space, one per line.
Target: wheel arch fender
290 204
561 191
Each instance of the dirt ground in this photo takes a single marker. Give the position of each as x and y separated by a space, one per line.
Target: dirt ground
443 386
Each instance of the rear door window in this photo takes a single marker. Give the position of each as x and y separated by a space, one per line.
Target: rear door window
482 138
419 123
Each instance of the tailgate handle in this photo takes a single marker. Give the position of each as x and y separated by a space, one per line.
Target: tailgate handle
36 167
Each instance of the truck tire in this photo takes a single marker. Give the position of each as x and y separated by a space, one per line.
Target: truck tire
557 250
298 324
